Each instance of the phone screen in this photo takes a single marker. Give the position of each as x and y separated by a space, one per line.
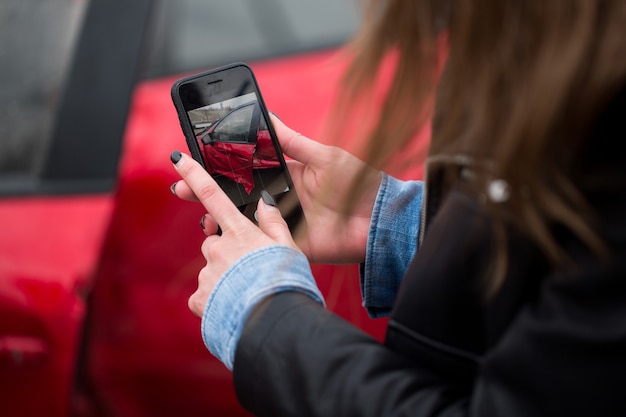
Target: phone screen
228 131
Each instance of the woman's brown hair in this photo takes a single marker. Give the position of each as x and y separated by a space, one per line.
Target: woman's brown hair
523 84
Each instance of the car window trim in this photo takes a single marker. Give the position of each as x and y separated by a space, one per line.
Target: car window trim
98 87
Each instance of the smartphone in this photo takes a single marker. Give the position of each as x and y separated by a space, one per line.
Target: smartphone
228 130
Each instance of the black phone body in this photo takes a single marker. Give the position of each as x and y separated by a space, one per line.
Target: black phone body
228 131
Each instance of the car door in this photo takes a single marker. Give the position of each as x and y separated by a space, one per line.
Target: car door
67 74
143 354
97 258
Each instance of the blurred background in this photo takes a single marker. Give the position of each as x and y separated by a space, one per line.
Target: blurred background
97 258
38 40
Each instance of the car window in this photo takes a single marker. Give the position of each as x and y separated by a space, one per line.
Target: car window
192 34
235 126
36 41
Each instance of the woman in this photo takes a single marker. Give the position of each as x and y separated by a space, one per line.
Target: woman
514 304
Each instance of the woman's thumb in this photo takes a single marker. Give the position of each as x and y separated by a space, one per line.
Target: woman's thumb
295 145
271 221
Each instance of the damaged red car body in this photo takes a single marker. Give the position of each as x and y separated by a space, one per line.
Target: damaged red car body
236 155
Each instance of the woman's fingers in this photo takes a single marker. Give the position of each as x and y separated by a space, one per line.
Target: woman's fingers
295 145
207 191
271 221
209 225
181 190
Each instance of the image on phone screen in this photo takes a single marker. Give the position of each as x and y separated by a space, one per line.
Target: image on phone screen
237 150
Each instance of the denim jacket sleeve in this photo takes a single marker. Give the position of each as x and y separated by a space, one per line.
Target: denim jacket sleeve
246 283
392 242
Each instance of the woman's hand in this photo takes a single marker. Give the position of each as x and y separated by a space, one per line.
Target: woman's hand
322 176
239 236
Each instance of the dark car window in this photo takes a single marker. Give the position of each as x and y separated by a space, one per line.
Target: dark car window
194 34
38 38
235 126
36 41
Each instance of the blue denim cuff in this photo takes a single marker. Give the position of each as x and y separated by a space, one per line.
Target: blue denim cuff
391 243
255 276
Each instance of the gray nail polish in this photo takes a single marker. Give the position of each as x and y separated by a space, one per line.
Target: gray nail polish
267 198
175 156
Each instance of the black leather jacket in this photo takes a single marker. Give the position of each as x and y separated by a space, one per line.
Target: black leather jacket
550 343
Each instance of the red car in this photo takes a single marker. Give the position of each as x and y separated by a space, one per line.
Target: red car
238 143
97 258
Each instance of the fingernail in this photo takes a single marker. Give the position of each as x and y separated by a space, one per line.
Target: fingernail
268 199
275 115
202 222
173 188
175 157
